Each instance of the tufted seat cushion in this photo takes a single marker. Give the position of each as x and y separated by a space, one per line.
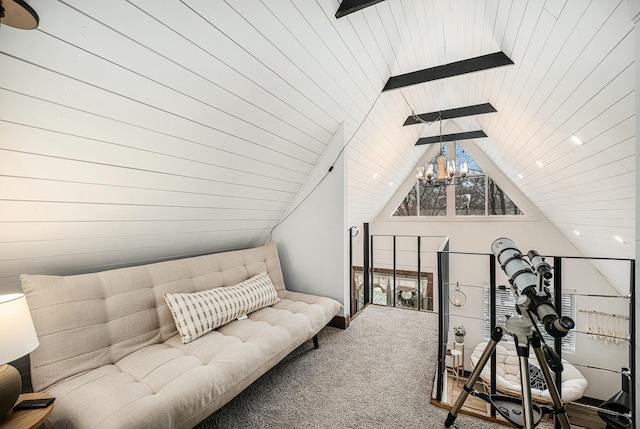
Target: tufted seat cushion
111 356
508 375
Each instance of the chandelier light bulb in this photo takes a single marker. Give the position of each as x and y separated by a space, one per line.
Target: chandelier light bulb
430 172
464 168
420 173
451 169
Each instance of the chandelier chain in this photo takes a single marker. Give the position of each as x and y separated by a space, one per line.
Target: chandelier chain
418 118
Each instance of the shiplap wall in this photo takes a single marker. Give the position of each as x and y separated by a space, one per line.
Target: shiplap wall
142 129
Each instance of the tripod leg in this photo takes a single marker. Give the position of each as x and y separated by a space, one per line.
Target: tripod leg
561 413
525 383
496 335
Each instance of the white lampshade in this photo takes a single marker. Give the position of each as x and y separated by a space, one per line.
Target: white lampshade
17 335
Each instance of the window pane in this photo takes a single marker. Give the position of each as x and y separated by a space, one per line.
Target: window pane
433 200
500 203
506 305
462 156
408 206
470 195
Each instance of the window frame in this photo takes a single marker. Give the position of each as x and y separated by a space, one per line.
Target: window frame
450 212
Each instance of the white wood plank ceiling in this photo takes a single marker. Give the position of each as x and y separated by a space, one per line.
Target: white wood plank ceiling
136 130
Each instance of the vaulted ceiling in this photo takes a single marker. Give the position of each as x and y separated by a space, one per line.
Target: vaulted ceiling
132 130
573 75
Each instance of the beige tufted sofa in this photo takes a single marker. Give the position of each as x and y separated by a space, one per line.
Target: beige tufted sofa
111 356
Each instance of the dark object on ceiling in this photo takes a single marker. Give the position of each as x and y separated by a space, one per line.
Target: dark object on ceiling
18 14
458 112
350 6
484 62
451 137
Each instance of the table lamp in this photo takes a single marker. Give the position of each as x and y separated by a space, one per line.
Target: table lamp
17 339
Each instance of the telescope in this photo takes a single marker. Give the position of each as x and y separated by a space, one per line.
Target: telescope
529 282
529 279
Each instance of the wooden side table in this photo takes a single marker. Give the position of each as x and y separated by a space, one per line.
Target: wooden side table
457 354
27 419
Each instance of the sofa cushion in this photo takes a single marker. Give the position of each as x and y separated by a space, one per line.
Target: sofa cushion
176 385
197 313
110 314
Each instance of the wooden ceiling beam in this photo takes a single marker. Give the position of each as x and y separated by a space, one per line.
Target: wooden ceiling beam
451 137
459 112
350 6
470 65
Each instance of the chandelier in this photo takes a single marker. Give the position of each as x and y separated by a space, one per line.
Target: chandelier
443 172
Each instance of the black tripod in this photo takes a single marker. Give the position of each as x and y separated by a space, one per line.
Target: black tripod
522 414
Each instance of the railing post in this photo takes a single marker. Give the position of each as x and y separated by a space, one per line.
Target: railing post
557 289
373 275
632 343
493 322
394 274
352 289
366 262
419 297
443 308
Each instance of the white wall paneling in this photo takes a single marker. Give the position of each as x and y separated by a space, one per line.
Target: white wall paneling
313 238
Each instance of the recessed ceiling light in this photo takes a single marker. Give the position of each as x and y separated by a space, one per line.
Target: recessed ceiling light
521 176
578 233
619 239
577 140
540 164
375 176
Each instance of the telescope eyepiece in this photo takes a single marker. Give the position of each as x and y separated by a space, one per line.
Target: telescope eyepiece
558 327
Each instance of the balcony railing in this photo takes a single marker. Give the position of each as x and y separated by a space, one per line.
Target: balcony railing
416 272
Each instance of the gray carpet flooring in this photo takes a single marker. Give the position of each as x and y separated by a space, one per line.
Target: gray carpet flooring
377 374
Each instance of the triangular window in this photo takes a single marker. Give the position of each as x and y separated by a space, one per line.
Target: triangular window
499 203
409 205
476 194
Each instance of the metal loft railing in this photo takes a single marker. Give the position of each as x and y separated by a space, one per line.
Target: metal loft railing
618 412
388 260
395 270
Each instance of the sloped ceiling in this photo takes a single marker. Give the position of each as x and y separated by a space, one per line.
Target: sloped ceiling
573 74
144 129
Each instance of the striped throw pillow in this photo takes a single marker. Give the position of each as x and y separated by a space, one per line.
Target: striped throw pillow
197 313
